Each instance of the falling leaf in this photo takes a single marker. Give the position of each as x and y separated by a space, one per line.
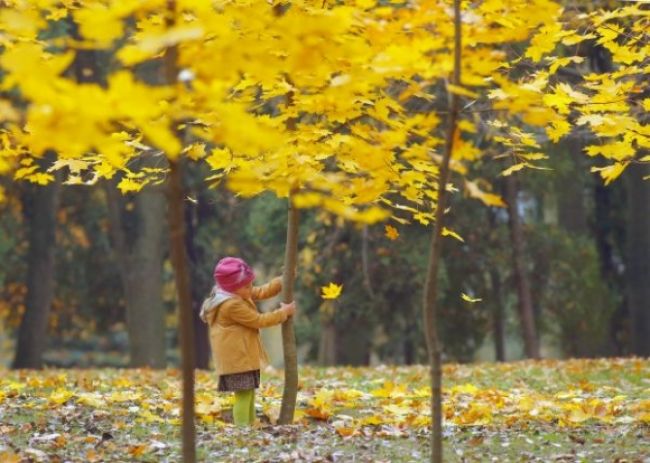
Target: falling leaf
467 298
391 232
331 291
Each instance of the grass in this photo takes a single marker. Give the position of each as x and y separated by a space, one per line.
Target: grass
579 410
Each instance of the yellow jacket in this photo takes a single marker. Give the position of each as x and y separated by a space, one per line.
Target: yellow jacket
234 326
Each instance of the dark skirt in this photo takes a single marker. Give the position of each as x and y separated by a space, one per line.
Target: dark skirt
239 381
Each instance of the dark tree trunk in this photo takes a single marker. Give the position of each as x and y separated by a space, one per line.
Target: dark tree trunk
497 316
40 205
494 284
409 350
609 230
571 189
637 269
525 301
199 289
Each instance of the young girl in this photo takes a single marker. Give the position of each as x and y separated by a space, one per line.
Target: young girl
235 326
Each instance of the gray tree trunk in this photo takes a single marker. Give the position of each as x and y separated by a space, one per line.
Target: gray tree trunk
328 342
40 205
637 270
140 257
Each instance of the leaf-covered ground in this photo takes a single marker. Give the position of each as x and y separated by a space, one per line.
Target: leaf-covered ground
579 410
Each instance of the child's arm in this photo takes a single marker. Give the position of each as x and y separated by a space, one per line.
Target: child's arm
268 290
242 313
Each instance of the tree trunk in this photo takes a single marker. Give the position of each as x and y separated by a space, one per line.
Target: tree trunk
40 207
497 316
328 341
570 188
182 277
525 301
290 391
195 255
140 263
145 312
637 267
431 283
178 252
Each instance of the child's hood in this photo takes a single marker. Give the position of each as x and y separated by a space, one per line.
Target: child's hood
217 297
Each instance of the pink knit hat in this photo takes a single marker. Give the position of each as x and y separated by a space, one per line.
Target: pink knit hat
231 273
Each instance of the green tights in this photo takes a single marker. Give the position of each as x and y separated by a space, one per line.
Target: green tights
243 411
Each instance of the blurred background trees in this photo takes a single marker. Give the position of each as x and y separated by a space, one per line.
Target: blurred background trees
585 251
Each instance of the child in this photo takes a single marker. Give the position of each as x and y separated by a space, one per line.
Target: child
234 325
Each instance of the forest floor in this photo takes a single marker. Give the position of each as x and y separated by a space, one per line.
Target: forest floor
565 411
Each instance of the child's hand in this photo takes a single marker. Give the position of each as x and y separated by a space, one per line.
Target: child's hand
289 308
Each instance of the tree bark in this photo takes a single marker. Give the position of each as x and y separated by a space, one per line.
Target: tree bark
290 391
40 207
140 261
497 316
179 260
525 301
182 277
195 256
431 282
570 188
637 269
328 340
145 312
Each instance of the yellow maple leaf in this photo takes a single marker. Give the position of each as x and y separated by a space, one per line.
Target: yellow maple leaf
557 129
611 172
195 151
127 185
60 396
331 291
99 23
514 168
489 199
391 233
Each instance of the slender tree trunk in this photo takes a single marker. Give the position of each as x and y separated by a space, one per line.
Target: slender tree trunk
182 276
290 391
637 267
178 252
525 303
431 282
40 211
